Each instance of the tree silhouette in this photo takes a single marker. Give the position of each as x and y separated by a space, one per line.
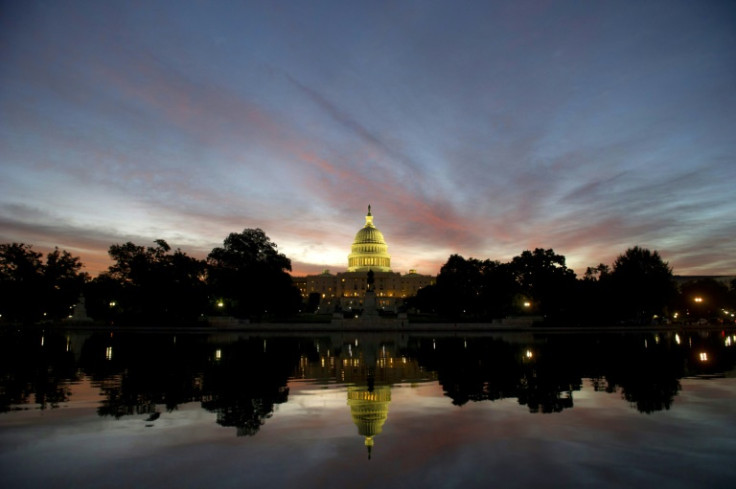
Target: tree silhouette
543 277
150 284
641 285
31 290
250 272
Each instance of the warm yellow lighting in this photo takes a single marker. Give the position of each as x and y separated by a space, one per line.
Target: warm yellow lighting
703 357
220 304
218 354
527 304
677 338
108 353
698 299
113 303
529 354
676 315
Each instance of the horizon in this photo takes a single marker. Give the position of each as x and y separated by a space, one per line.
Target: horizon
482 130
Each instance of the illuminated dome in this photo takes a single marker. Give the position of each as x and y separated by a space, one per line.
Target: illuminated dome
369 250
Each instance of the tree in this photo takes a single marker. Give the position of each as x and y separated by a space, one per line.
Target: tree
150 283
470 287
31 290
252 275
543 277
704 299
642 285
63 283
21 283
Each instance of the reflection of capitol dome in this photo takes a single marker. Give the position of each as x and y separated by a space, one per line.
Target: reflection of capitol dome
369 409
369 250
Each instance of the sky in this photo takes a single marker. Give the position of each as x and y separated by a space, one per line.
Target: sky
479 128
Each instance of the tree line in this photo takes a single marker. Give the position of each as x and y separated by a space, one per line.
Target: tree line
639 288
247 277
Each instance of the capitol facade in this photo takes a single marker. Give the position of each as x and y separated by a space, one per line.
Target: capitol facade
345 291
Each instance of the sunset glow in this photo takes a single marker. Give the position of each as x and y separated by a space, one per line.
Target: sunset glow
486 130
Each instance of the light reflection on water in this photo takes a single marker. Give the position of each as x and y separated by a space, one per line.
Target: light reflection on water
554 410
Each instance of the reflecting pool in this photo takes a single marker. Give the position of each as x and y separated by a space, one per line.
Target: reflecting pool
118 409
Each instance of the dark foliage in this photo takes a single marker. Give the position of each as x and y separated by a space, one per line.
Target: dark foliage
32 290
150 284
250 276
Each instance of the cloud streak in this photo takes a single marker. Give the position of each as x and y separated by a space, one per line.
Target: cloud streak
482 131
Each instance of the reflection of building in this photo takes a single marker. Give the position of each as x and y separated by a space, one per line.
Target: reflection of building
346 290
369 366
369 409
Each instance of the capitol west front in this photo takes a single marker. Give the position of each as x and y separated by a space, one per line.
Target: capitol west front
346 290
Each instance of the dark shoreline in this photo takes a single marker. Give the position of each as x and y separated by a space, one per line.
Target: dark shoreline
365 327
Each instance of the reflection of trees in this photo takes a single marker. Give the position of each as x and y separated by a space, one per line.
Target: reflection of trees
246 381
491 369
647 376
138 372
243 381
36 365
544 371
549 378
240 381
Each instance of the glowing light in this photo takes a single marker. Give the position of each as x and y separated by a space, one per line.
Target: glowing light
677 338
527 304
728 341
113 304
218 354
529 354
108 353
698 299
703 356
220 304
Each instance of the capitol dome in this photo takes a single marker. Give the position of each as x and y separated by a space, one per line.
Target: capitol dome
369 250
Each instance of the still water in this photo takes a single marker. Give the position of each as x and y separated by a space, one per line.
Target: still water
104 409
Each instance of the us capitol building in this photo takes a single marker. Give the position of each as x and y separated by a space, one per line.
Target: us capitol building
346 290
